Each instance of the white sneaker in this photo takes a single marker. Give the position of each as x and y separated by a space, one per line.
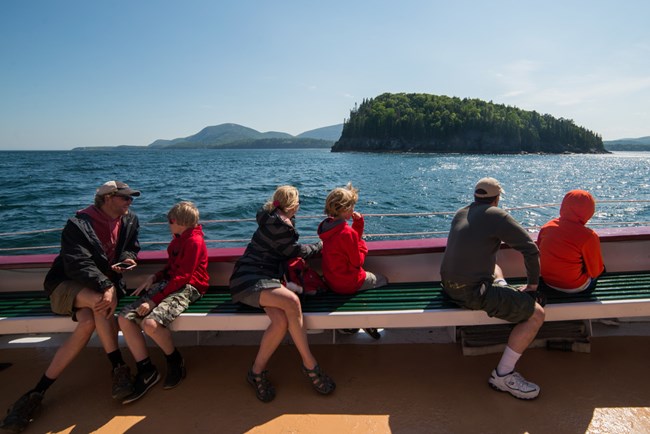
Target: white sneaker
514 384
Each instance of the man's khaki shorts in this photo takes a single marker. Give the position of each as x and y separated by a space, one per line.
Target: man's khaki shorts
63 297
500 301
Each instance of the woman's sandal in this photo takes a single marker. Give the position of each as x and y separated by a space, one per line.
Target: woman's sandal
264 390
320 380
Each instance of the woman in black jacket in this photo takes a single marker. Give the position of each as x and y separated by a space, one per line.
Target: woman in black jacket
256 281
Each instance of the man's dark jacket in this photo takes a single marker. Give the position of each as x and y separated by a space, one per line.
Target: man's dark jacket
83 259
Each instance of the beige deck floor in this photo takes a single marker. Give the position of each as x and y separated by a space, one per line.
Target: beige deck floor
387 388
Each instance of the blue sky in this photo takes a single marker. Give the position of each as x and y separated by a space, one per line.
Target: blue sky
96 73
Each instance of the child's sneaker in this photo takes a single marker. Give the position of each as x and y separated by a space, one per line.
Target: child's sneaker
373 333
514 384
143 382
122 382
22 412
175 374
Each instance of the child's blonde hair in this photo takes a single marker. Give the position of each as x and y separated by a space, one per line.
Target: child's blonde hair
285 197
341 200
184 214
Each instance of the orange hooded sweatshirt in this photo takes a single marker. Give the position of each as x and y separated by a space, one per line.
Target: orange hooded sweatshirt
570 252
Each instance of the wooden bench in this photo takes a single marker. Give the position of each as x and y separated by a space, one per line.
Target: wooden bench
398 305
414 299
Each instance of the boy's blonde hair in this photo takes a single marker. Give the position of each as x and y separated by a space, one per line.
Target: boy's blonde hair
184 214
285 197
341 200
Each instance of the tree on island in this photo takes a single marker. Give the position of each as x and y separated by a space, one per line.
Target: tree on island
420 122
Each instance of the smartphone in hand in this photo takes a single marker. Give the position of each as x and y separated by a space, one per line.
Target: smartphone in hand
124 265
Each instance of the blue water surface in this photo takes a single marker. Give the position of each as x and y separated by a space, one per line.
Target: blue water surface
40 190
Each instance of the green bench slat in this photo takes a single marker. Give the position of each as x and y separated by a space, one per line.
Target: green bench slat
394 297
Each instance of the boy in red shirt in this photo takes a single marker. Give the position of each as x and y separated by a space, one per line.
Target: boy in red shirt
344 251
570 255
167 294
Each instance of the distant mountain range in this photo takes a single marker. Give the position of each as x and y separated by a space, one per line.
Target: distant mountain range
234 136
639 144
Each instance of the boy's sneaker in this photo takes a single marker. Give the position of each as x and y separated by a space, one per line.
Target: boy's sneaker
514 384
175 374
22 412
143 382
373 333
122 382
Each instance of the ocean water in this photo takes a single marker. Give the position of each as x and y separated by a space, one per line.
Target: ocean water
40 190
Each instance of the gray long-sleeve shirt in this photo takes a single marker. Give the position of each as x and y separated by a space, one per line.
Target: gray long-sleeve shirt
477 231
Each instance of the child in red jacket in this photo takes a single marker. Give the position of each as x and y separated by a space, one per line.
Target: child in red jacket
166 294
344 251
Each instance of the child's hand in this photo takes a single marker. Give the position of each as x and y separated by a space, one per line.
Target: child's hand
356 216
145 308
145 285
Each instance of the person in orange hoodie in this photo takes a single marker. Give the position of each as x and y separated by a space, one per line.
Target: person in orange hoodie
570 255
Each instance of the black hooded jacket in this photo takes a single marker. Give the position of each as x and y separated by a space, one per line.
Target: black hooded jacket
83 259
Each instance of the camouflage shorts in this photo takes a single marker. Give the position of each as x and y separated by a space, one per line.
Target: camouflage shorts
169 308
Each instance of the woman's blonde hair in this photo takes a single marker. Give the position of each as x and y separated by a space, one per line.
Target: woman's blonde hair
285 197
184 214
341 200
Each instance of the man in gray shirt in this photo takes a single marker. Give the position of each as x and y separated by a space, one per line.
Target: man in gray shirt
472 278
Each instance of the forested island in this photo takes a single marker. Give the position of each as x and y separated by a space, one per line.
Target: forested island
419 122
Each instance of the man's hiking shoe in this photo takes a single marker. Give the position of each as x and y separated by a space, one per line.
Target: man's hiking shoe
22 412
514 384
122 382
175 374
143 382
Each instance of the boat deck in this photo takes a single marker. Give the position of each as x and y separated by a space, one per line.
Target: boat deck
383 387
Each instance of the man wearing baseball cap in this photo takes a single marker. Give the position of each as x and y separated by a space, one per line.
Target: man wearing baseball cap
472 278
85 283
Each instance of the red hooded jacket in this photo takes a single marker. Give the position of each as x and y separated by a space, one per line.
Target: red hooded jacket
187 264
344 253
570 252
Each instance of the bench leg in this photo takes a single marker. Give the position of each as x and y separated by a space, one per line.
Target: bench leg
452 333
590 330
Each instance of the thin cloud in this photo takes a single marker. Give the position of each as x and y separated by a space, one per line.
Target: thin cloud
526 83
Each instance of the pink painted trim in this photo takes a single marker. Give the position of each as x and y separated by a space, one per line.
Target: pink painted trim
376 248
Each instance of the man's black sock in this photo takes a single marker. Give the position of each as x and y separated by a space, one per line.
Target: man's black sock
43 384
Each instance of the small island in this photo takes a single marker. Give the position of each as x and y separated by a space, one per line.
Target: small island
418 122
